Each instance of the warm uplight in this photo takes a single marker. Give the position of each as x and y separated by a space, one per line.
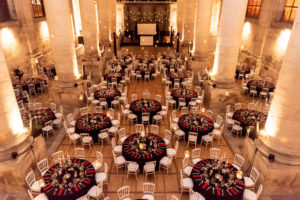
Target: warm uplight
215 17
216 64
187 154
8 39
44 31
75 68
246 31
271 127
15 122
283 41
173 17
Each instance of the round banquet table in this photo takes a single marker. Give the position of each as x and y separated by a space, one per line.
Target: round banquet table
177 75
145 106
187 94
92 124
117 75
41 116
69 180
52 69
109 94
246 70
249 118
144 70
25 83
154 151
260 84
217 180
200 124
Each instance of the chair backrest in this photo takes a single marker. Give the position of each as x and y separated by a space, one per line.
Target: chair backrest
154 129
30 178
121 132
196 153
98 109
113 142
158 97
219 119
84 111
145 114
139 128
192 137
123 192
99 156
57 156
168 134
111 112
176 146
228 108
237 123
209 113
239 160
254 174
184 110
53 106
70 117
48 123
43 165
148 188
214 153
38 106
251 106
79 152
174 114
133 97
237 106
185 162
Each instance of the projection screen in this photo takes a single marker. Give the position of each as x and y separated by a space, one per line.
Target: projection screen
146 29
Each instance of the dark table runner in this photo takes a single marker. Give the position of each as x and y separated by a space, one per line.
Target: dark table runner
70 180
200 124
204 176
154 151
92 124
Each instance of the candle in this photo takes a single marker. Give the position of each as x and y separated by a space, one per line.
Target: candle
226 93
143 133
42 182
239 174
187 154
141 145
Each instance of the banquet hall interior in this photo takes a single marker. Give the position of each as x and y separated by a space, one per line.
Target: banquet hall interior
149 99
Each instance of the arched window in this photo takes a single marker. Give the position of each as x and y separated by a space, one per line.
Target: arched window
290 10
4 11
253 8
38 8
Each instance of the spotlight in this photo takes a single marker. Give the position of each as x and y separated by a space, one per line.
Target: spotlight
14 155
271 157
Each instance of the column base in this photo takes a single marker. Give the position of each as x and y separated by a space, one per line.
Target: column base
225 84
278 179
16 149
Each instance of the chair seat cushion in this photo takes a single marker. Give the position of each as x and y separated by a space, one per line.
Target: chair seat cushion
112 130
132 116
165 161
237 128
187 171
72 123
207 138
149 168
216 125
71 130
75 136
122 139
58 115
175 120
148 197
115 122
100 177
118 149
120 160
166 141
35 187
236 166
187 183
87 139
94 192
248 181
179 133
171 152
103 135
47 128
249 195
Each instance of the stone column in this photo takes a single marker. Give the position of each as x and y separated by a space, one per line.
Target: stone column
281 134
202 26
228 42
180 17
14 136
25 13
103 21
89 28
63 49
